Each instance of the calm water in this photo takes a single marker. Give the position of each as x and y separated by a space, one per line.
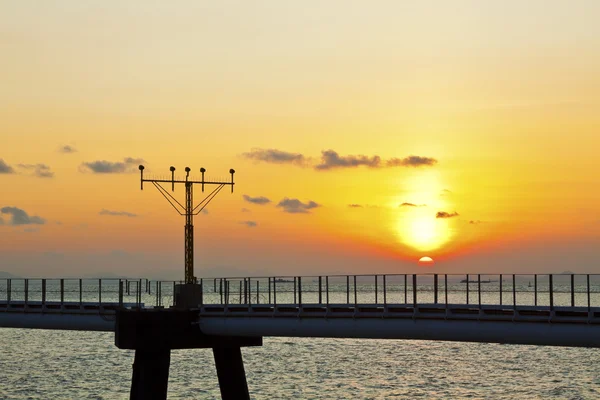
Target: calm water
40 364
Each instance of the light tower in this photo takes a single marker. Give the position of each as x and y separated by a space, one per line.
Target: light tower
189 210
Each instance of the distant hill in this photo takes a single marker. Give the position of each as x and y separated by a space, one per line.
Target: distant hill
7 275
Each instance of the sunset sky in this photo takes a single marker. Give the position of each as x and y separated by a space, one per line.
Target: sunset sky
365 135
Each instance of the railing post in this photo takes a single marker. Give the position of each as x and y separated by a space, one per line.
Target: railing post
201 293
355 297
375 289
99 292
43 292
258 291
327 289
140 292
249 291
467 288
9 290
274 292
479 289
215 285
62 292
320 296
80 292
121 293
414 290
572 290
26 292
240 292
405 289
269 290
299 291
221 289
514 292
551 289
384 291
295 284
435 288
535 294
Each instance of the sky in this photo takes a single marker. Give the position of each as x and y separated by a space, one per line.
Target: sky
364 135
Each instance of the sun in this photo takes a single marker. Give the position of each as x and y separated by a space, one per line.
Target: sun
426 261
421 230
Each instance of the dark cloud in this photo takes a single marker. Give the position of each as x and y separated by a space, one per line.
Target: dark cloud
412 205
295 206
261 200
39 170
117 213
475 222
5 168
246 210
128 164
444 214
355 206
205 211
275 156
411 161
67 149
20 217
250 224
330 159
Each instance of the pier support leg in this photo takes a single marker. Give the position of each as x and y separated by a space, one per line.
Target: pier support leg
230 370
150 374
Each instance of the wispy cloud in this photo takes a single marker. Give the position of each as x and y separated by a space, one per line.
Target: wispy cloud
275 156
330 159
250 224
245 210
20 217
355 206
117 213
411 161
412 205
5 168
66 149
39 170
260 200
444 214
107 167
295 206
475 222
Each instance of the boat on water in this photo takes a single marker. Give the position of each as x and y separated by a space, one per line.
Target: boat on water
471 281
279 280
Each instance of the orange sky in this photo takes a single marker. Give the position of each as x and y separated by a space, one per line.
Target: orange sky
498 102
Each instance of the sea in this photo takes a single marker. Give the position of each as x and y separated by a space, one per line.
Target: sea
45 364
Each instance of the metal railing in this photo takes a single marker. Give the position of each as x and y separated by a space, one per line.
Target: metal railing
506 290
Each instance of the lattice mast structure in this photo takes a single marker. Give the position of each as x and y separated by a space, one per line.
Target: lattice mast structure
189 210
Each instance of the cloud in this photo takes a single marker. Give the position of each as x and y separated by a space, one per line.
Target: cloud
444 214
475 222
261 200
39 170
107 167
246 210
411 161
355 206
66 149
275 156
330 159
205 211
20 217
412 205
250 224
295 206
5 168
117 213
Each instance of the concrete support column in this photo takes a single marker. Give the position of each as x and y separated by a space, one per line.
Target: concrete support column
150 374
230 370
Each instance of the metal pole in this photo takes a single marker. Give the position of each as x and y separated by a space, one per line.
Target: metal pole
294 290
120 293
375 289
327 289
500 289
551 292
240 292
9 290
249 291
62 292
269 290
446 288
221 289
215 285
572 290
274 292
26 292
348 289
384 291
514 292
355 297
588 292
414 290
80 292
435 288
479 288
258 291
405 289
299 291
43 292
320 296
189 233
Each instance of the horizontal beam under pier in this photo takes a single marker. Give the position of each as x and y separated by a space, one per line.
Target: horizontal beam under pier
529 333
69 322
